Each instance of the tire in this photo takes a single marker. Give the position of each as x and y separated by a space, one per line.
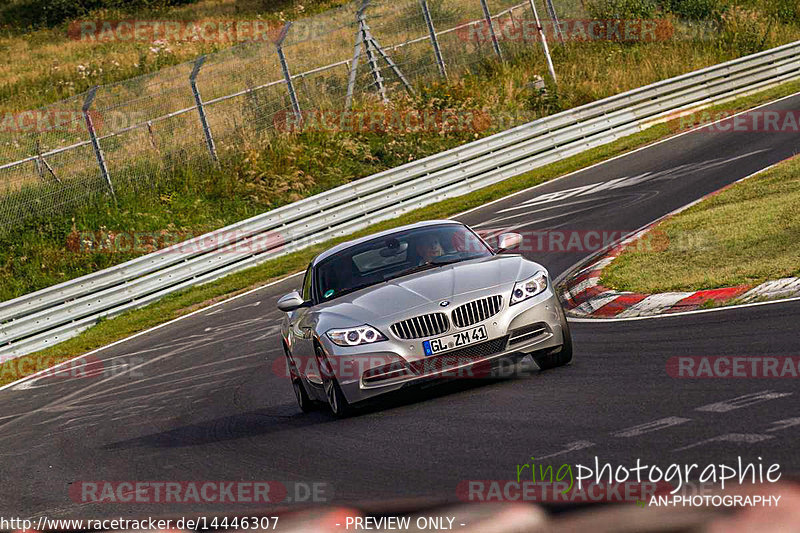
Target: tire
304 401
561 357
337 403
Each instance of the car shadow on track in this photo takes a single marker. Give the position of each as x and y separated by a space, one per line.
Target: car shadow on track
286 417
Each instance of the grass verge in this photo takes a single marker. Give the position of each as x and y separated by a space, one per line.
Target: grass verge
179 304
747 234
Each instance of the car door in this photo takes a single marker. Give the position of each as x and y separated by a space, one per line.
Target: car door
302 331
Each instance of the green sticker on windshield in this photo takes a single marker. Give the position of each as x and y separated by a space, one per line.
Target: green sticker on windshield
328 293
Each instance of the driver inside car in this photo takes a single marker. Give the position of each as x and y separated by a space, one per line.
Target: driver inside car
429 248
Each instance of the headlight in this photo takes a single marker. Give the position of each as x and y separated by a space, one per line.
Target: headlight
529 287
355 336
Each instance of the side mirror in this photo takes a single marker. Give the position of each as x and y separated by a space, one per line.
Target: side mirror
290 302
508 241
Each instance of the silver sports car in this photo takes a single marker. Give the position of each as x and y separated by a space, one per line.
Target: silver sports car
426 301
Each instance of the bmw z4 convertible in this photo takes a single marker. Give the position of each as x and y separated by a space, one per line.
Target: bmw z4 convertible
422 302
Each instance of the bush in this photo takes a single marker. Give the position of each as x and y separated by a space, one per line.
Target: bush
786 11
696 9
25 13
744 32
621 9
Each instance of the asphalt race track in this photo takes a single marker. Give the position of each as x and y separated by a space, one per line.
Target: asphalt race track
199 399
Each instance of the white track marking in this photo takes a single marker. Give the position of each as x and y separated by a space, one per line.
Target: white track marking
746 438
620 183
742 401
570 447
779 425
256 304
649 427
497 220
626 154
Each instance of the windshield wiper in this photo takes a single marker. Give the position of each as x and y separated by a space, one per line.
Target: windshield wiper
348 291
424 266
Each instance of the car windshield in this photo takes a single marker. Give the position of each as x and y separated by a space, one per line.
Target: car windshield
395 255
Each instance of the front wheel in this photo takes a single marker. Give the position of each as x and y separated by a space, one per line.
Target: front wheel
338 404
562 356
304 401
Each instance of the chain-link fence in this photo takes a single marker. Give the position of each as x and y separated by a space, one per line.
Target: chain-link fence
128 134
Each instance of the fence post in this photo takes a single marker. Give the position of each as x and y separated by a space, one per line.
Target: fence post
488 17
287 76
371 59
199 101
554 16
434 39
98 152
544 43
351 81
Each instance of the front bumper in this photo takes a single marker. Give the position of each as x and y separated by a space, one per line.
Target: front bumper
527 327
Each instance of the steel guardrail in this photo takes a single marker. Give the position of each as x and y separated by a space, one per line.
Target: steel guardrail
43 318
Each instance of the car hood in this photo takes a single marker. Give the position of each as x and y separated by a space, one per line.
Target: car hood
403 294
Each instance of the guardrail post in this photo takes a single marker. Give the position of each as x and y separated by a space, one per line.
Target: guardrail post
98 152
544 42
434 39
488 17
199 101
286 74
554 16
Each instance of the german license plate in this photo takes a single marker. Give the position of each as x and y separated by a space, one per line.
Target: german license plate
456 340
